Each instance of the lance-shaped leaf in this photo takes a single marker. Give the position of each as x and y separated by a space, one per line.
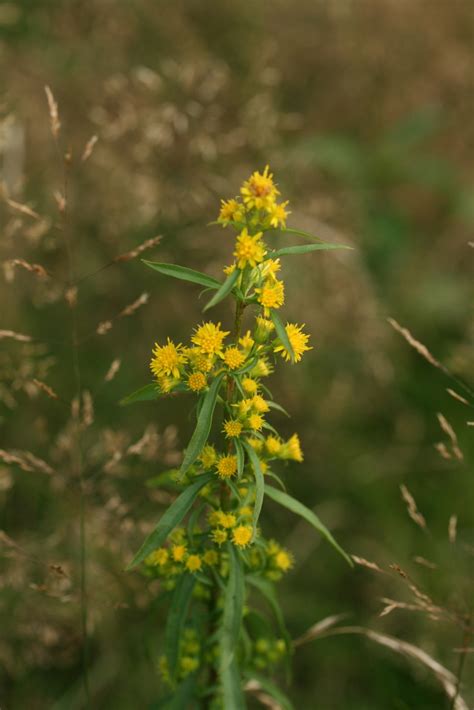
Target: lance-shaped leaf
267 590
224 290
239 452
300 233
270 689
259 485
170 519
233 609
232 695
306 248
184 274
203 426
282 334
144 394
295 506
177 618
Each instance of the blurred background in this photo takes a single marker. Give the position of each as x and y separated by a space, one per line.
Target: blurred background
364 112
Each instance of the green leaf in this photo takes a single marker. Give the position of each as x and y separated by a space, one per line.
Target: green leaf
144 394
177 618
170 519
267 590
306 248
183 273
295 506
259 485
239 452
271 689
233 610
300 233
232 695
278 407
224 290
282 334
203 426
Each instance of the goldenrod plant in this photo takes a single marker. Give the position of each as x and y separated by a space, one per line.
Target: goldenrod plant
209 550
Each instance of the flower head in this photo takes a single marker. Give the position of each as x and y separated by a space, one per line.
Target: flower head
291 449
178 552
226 520
209 337
232 428
197 381
219 536
259 191
259 404
193 563
226 466
278 214
255 422
249 250
283 560
208 456
231 211
271 295
273 445
249 385
233 358
241 535
158 557
167 359
298 341
210 557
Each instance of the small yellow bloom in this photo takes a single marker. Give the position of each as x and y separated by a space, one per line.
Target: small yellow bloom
188 664
178 552
227 520
249 385
214 517
158 557
210 557
271 295
167 359
246 511
291 449
279 214
259 191
193 563
241 535
298 340
232 428
255 422
262 368
234 358
263 466
167 384
243 407
197 381
209 337
256 444
208 456
264 328
246 341
219 536
259 404
273 445
228 270
226 466
284 560
249 250
199 361
231 211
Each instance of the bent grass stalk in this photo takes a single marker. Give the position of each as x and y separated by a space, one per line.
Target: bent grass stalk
208 548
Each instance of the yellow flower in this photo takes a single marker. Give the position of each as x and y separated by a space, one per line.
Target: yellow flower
273 445
199 361
284 560
270 268
226 466
255 422
208 456
262 368
158 557
249 385
246 341
241 535
298 340
249 249
167 359
227 520
263 466
210 557
219 536
178 552
278 214
291 449
167 384
264 328
232 428
259 191
208 338
271 295
233 358
197 381
244 406
193 563
214 517
246 511
231 211
188 664
259 404
228 270
256 444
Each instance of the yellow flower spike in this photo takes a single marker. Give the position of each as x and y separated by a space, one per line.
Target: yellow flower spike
209 338
167 359
197 381
278 214
249 385
210 558
255 422
298 341
232 428
284 560
208 456
291 449
233 358
231 211
271 295
273 445
259 404
178 552
259 191
219 536
194 563
241 535
226 466
249 250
